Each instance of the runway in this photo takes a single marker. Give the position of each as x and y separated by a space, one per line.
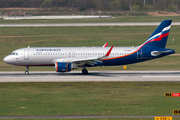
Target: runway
84 24
93 76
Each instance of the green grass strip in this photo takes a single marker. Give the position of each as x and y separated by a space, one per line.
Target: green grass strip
88 98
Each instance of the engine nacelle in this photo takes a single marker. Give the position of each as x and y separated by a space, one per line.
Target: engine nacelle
64 66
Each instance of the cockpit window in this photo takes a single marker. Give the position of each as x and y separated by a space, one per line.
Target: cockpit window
14 53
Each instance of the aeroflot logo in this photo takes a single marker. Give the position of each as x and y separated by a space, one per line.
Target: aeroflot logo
48 49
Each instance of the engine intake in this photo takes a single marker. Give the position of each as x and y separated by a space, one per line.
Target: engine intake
64 66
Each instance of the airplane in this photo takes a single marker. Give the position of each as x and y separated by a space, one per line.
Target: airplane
66 59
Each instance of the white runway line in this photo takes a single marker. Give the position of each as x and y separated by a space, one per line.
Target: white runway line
159 76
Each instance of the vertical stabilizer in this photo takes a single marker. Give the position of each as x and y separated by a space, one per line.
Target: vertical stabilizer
159 37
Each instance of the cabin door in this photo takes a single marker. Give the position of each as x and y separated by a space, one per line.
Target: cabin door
139 54
26 54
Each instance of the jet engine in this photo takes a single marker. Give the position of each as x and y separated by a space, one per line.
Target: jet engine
65 66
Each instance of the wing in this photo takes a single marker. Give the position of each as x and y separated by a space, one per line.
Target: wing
91 60
88 60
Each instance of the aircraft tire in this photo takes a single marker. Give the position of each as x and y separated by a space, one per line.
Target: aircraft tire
26 73
84 71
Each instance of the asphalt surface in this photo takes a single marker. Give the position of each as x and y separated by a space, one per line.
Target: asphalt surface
84 24
93 76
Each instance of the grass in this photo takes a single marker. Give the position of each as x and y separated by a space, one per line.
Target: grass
145 18
96 119
92 98
15 38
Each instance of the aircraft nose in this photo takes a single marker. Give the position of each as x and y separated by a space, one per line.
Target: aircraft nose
7 59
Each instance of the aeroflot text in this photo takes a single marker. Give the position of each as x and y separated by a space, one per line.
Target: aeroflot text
48 49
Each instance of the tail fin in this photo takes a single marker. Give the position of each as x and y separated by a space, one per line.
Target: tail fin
159 37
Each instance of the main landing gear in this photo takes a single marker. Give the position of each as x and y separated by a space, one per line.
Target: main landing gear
27 70
84 71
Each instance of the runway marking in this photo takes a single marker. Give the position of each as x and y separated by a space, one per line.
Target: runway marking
160 76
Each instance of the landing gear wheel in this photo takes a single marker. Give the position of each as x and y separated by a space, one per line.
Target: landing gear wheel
27 70
26 73
84 71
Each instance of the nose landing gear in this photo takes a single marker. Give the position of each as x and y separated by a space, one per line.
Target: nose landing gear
27 70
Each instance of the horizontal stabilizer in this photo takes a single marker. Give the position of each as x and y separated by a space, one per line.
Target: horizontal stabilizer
156 53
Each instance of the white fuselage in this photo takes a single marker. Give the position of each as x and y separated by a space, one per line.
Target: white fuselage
48 55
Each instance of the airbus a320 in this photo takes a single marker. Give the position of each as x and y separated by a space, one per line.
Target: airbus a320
66 59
